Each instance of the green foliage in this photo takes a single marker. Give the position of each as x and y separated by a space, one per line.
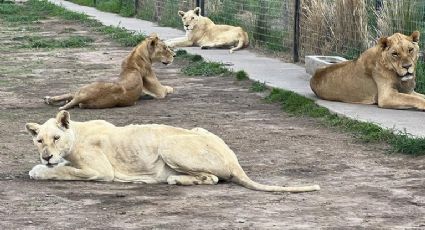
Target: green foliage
127 8
241 75
147 12
367 132
420 77
258 86
83 2
70 42
169 16
113 6
205 69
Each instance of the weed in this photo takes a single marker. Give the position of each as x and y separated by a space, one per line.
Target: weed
258 86
241 75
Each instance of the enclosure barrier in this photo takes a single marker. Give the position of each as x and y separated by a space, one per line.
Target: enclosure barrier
290 29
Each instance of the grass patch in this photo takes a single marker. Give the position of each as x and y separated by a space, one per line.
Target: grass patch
122 36
199 67
241 75
258 86
206 69
50 43
41 9
295 104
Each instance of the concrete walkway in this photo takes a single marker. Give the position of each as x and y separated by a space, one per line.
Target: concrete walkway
273 72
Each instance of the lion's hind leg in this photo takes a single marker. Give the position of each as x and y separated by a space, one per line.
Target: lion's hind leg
64 97
201 179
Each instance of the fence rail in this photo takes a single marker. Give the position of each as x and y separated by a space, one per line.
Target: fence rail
290 28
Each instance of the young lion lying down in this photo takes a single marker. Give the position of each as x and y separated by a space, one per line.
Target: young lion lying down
136 78
201 31
98 150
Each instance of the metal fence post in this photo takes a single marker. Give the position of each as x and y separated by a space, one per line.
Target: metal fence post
297 16
201 4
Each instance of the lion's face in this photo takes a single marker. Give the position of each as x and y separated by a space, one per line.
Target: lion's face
190 18
53 139
160 51
400 54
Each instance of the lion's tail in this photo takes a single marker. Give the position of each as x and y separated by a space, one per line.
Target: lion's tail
241 178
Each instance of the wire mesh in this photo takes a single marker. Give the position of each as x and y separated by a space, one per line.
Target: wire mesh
348 27
327 27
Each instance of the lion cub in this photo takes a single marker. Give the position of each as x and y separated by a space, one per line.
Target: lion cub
201 31
384 74
137 77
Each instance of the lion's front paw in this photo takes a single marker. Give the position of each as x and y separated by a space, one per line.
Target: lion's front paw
47 100
38 172
169 89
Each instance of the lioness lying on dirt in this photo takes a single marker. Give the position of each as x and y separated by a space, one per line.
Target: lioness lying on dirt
201 31
98 150
137 77
383 75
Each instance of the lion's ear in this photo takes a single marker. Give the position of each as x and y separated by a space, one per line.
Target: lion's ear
383 42
181 13
197 11
32 128
62 119
153 35
153 41
415 36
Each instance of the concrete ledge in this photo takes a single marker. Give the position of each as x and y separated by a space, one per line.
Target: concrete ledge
314 62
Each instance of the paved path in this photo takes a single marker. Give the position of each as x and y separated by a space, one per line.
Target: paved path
273 72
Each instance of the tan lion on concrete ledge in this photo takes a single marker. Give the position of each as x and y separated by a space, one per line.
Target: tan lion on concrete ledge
98 150
383 75
137 77
201 31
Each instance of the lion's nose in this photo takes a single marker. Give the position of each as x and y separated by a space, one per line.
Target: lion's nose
174 54
406 66
47 158
186 25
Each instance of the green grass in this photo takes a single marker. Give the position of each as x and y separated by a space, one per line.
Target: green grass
83 2
42 9
69 42
241 75
122 36
113 6
258 86
295 104
420 77
199 67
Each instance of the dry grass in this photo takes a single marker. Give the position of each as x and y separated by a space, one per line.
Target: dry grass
334 26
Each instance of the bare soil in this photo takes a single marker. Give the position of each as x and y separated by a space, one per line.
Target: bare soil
362 186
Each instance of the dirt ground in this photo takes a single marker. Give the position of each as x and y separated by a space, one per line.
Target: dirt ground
362 186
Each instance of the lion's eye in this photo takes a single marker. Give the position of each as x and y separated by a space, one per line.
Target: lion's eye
55 138
410 50
193 18
40 141
395 54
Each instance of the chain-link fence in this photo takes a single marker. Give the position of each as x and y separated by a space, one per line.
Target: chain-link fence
290 28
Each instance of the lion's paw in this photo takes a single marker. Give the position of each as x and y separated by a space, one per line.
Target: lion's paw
169 89
47 100
38 172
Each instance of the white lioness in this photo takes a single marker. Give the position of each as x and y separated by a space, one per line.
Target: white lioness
201 31
98 150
